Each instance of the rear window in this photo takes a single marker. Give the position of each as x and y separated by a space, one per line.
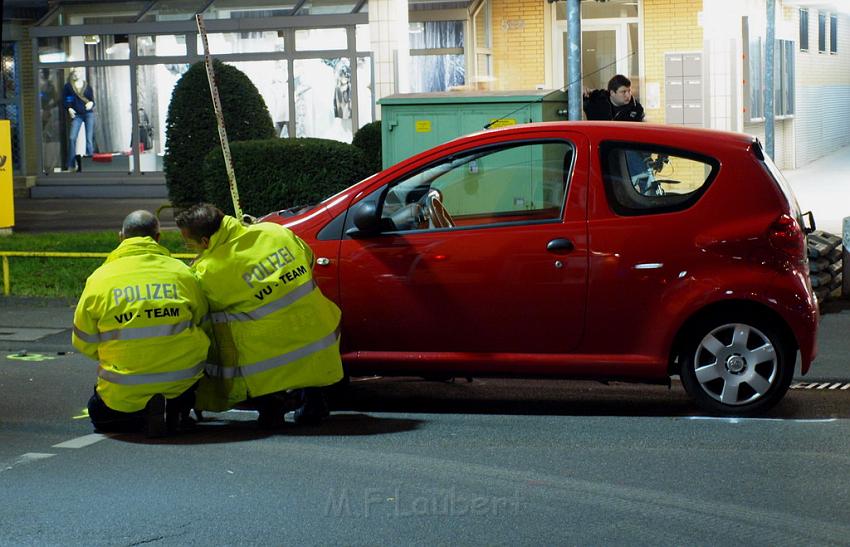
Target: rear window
774 171
644 179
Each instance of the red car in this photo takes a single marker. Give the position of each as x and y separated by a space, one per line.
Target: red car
574 250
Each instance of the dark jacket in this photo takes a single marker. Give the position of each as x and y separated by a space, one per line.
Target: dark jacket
73 99
598 106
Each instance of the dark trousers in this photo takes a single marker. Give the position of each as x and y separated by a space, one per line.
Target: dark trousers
110 420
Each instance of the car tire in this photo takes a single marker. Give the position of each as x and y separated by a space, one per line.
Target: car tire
736 364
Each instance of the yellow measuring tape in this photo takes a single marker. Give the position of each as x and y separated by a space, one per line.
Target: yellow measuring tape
219 117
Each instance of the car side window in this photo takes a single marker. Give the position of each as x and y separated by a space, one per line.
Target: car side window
641 179
518 183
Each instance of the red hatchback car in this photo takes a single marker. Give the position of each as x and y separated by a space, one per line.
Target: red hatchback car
574 250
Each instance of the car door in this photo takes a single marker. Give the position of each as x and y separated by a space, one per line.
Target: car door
481 251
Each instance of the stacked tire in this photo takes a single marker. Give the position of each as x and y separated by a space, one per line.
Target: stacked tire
825 252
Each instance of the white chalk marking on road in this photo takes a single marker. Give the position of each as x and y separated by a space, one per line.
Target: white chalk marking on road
24 459
81 442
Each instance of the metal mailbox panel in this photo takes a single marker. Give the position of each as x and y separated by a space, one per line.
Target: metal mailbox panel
675 113
692 64
672 64
693 112
674 90
692 88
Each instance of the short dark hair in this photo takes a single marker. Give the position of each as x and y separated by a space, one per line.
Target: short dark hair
617 82
200 220
140 223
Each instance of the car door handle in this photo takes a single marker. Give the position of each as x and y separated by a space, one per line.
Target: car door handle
560 245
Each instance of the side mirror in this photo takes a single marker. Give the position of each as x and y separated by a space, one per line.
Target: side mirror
366 220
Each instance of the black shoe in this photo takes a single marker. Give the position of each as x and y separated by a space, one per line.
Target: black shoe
155 425
271 419
314 410
79 161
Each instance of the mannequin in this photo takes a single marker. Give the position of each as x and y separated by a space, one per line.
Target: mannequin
79 100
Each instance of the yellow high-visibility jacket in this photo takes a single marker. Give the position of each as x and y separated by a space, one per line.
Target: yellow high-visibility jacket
273 328
139 315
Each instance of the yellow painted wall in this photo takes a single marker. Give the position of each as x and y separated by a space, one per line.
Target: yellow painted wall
669 26
518 44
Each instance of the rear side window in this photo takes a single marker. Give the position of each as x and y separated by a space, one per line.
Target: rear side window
642 179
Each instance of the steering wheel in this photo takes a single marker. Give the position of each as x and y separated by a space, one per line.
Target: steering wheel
437 214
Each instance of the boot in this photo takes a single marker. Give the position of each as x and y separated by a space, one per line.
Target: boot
155 425
314 408
79 160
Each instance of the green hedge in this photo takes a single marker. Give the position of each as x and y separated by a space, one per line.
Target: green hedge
368 139
276 174
191 130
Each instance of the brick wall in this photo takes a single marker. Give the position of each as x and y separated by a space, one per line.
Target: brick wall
518 44
669 26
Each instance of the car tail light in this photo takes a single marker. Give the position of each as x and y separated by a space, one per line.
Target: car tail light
786 236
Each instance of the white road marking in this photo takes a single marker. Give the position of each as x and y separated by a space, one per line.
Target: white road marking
741 420
81 442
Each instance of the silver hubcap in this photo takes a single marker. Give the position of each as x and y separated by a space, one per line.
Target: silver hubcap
736 364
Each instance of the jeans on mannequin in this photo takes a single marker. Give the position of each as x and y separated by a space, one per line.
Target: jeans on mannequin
76 122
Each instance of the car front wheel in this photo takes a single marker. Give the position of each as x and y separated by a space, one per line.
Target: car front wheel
737 366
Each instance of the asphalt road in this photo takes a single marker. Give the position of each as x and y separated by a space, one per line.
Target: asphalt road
405 461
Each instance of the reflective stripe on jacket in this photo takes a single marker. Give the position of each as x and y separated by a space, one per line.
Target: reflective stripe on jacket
273 328
139 315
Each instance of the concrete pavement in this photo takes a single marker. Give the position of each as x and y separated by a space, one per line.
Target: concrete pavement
823 187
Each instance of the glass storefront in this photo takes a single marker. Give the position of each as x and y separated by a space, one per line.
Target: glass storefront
93 112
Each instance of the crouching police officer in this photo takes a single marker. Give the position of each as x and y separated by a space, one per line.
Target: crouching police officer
274 330
139 315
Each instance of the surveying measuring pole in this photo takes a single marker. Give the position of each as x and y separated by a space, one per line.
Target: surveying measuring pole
219 118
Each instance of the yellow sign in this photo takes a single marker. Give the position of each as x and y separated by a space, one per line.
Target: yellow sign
7 203
423 126
501 122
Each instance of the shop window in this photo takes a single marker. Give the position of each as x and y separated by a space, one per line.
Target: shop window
323 99
318 39
804 29
436 58
155 85
172 10
222 43
163 45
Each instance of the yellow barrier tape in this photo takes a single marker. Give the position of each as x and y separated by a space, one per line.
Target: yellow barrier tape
56 254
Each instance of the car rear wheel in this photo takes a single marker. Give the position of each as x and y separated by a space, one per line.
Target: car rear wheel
736 366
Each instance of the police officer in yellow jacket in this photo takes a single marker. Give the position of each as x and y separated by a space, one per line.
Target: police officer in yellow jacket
273 328
139 315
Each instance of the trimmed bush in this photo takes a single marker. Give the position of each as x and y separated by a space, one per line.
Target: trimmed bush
368 139
276 174
191 130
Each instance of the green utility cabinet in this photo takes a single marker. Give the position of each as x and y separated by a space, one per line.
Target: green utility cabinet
414 122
